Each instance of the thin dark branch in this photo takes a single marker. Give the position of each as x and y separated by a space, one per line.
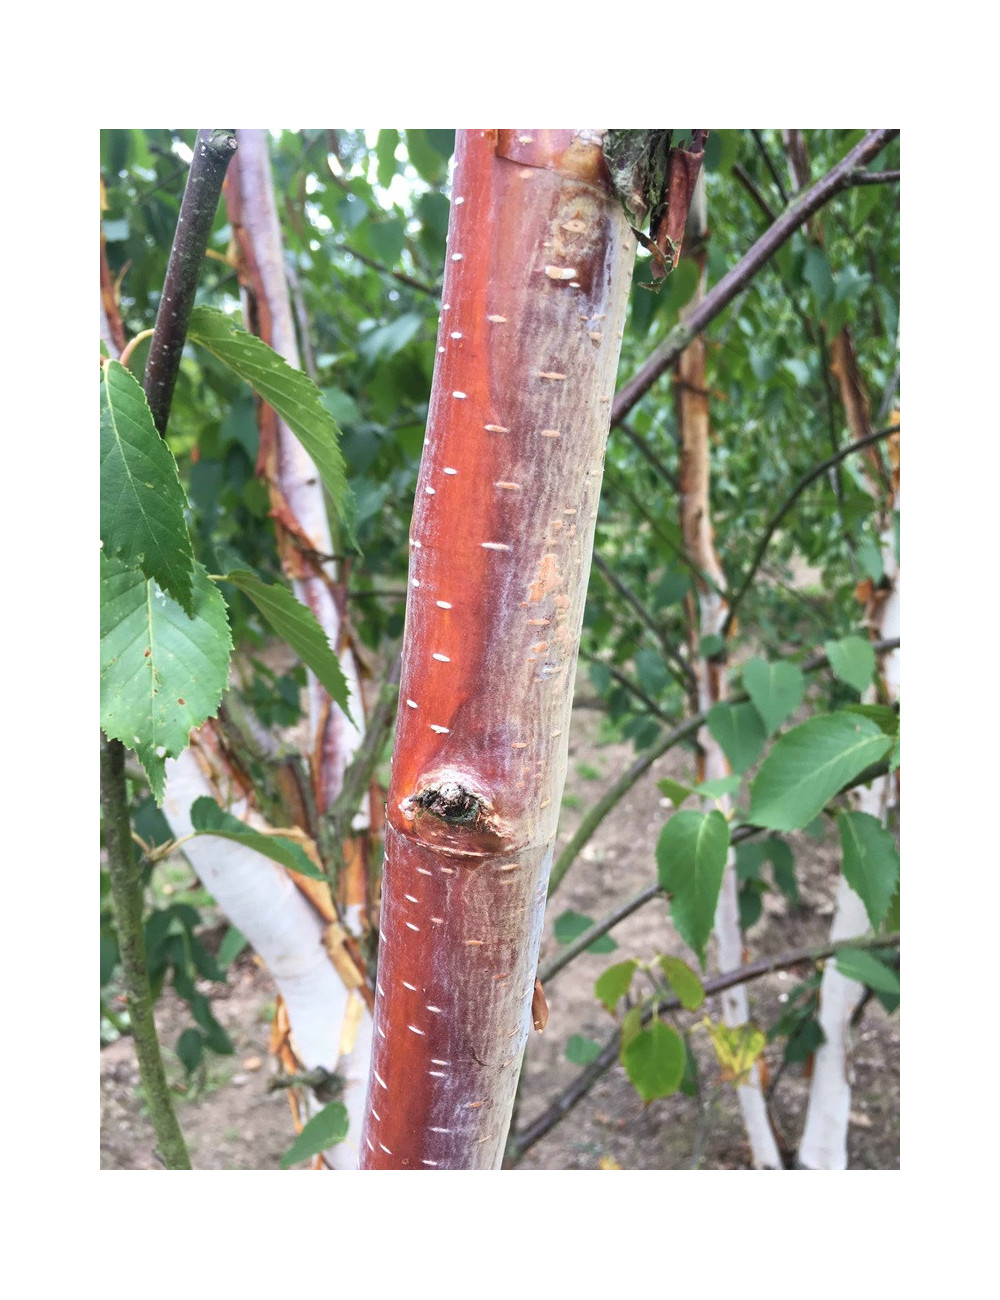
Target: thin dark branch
560 1107
816 472
213 151
750 185
769 164
401 276
127 901
359 772
644 449
680 670
721 295
863 177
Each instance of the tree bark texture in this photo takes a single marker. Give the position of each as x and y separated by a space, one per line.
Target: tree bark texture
708 618
538 270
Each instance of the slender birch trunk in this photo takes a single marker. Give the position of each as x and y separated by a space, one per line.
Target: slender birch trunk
707 618
539 265
824 1136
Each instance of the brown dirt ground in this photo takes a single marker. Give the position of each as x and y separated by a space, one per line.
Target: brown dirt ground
232 1122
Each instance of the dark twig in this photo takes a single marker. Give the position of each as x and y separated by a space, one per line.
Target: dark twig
213 151
816 472
560 1107
769 164
382 269
718 298
680 670
863 177
127 901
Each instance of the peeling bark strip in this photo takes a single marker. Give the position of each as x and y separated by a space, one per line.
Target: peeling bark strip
296 497
539 265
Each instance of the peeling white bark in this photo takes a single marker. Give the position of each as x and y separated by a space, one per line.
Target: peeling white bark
259 898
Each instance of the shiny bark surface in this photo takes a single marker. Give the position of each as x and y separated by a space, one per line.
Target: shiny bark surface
539 266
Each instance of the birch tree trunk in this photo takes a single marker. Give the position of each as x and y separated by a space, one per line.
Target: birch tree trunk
707 619
539 265
824 1135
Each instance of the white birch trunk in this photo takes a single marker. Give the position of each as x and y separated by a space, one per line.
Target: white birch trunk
824 1136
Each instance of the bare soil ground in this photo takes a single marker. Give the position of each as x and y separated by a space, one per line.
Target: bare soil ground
232 1122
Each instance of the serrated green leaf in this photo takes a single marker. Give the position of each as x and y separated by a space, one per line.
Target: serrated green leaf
324 1130
298 625
142 501
581 1050
870 862
292 394
674 791
612 986
691 858
856 964
809 765
208 818
654 1061
162 673
570 925
852 659
776 690
740 732
684 982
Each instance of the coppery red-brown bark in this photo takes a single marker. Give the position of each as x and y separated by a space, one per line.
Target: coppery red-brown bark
539 264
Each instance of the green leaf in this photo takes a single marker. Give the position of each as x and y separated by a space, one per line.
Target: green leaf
809 765
387 340
856 964
710 646
871 862
297 624
852 660
722 785
631 1025
426 158
816 273
616 981
783 865
654 1061
653 676
740 732
142 501
749 860
233 943
570 925
751 903
581 1051
162 673
776 690
674 791
292 394
684 982
886 717
736 1048
324 1130
208 818
385 152
691 857
190 1048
